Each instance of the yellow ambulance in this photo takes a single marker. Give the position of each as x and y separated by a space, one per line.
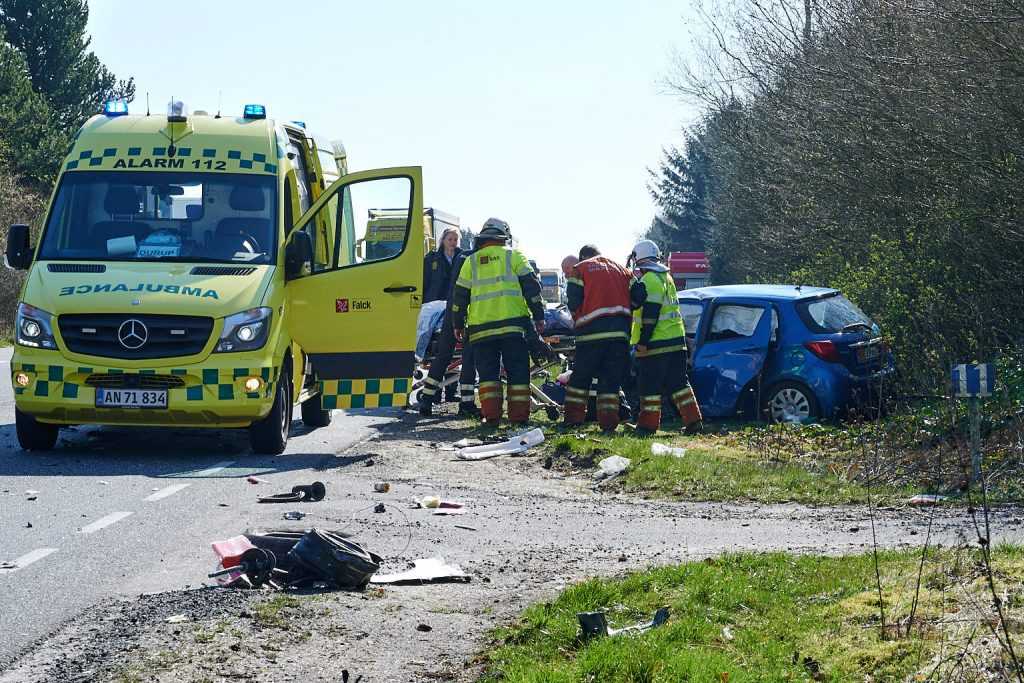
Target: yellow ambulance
208 271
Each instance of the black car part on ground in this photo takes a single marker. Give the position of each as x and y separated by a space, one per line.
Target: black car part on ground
326 556
307 493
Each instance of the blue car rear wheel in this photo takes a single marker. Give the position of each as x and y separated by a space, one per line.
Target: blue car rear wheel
791 402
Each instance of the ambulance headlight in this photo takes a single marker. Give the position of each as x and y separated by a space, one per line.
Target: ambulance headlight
34 327
245 331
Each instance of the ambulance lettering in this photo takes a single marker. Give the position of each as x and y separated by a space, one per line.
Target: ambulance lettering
139 287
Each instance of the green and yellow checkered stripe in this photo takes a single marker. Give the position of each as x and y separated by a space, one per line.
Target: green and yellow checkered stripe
365 393
209 384
235 159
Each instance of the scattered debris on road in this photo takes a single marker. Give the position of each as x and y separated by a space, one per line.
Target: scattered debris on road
379 508
293 515
256 480
382 487
612 466
176 619
595 624
303 493
433 569
927 499
467 528
516 444
662 449
425 628
5 564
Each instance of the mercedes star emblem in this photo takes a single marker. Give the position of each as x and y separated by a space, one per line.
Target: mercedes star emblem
132 334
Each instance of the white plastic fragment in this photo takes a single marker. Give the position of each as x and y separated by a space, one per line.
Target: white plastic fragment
516 444
612 466
432 569
927 499
662 449
177 619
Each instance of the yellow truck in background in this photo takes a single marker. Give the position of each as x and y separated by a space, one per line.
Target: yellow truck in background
204 271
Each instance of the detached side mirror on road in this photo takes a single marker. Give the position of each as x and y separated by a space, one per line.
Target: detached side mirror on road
19 248
298 255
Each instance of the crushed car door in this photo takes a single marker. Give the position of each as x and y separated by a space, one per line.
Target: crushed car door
355 315
731 353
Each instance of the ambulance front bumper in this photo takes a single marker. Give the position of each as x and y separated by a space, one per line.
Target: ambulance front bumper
210 394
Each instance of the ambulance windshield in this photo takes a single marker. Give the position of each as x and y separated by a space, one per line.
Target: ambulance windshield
157 216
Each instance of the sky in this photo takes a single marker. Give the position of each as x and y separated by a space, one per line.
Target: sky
545 114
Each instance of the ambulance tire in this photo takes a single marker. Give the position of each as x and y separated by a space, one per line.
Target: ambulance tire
269 436
34 435
313 415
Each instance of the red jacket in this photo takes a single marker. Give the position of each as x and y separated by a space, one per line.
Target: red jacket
598 293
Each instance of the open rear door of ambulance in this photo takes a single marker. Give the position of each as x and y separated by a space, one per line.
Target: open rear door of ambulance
355 314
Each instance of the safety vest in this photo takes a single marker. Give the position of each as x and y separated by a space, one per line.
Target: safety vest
605 311
496 303
669 332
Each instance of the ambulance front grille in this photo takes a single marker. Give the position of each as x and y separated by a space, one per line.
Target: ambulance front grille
134 381
165 336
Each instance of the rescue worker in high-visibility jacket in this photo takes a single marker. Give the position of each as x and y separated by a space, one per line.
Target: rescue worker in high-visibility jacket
496 301
599 300
660 340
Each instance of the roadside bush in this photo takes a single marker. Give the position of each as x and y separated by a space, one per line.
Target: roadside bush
18 204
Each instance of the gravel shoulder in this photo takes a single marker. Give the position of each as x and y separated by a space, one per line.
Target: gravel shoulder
535 531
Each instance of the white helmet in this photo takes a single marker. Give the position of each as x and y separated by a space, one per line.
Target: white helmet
645 249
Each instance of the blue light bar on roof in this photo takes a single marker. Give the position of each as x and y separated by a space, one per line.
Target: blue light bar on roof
300 124
254 111
115 108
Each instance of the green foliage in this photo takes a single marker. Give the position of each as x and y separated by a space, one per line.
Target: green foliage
50 83
749 617
680 190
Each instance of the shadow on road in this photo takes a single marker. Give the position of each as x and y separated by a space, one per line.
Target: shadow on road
161 452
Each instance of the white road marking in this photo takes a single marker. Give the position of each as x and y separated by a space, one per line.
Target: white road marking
28 558
164 492
217 467
102 522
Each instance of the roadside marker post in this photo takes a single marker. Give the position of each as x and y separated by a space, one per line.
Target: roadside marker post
974 381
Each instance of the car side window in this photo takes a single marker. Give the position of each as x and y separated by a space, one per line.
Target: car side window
734 321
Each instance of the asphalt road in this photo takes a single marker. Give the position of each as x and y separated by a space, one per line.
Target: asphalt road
119 512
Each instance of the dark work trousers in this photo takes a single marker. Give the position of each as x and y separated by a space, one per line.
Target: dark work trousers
443 353
662 374
605 362
510 352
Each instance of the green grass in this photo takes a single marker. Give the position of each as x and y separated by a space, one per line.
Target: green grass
758 617
716 469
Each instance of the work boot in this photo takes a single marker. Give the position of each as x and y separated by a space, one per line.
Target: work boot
650 415
426 408
686 403
693 428
575 406
468 410
608 412
490 401
519 403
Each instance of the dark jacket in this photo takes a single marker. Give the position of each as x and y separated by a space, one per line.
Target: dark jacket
437 274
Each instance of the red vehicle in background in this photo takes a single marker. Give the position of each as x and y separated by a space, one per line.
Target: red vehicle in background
689 268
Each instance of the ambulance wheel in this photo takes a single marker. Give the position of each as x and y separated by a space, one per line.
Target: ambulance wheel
269 436
313 415
34 435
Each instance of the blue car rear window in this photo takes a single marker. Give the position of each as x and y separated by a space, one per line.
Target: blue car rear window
832 314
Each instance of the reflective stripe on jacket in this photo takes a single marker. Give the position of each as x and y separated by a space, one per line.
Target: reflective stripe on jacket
498 303
598 294
658 323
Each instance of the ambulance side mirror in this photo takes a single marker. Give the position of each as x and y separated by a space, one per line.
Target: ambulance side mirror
298 255
19 249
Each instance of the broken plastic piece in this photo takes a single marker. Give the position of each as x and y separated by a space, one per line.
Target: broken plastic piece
927 499
382 487
427 570
612 466
304 493
177 619
256 480
662 449
294 515
595 624
516 444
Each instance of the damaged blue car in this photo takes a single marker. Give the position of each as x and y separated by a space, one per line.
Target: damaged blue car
787 353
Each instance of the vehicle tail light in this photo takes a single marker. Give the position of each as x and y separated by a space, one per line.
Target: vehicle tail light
825 350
